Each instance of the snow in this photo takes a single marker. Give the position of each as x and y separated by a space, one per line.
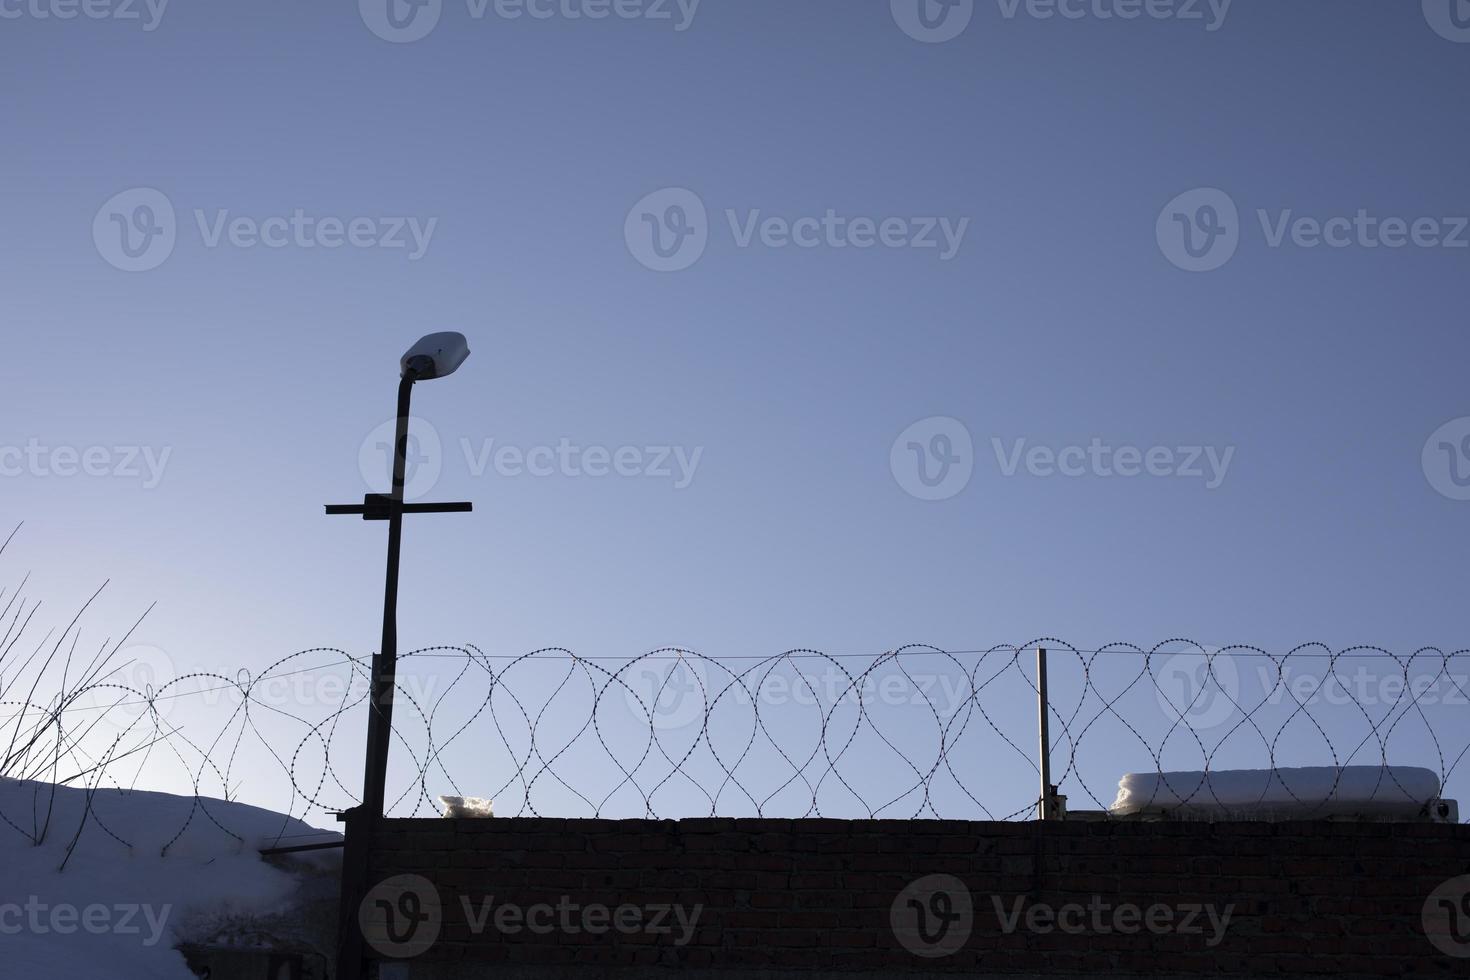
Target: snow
145 869
467 806
1314 791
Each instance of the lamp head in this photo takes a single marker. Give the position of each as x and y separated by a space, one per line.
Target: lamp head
436 356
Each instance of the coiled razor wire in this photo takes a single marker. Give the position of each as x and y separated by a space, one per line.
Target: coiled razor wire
558 734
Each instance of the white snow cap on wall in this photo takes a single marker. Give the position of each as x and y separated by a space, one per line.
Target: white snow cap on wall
1317 789
456 807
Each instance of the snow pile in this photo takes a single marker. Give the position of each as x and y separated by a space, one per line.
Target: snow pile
1311 791
145 869
467 806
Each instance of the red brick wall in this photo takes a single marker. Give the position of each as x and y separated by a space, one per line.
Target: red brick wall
1307 898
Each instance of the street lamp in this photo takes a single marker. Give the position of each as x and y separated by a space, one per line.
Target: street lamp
436 356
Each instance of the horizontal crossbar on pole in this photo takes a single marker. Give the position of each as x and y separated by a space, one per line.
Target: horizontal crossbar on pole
378 507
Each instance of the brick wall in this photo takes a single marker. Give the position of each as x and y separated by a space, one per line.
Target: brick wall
1085 898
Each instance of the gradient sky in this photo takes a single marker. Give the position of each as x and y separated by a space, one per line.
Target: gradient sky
263 371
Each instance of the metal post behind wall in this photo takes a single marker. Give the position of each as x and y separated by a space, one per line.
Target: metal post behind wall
1048 791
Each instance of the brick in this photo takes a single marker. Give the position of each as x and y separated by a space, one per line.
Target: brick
816 894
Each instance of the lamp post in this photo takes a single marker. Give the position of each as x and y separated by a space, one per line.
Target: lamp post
435 356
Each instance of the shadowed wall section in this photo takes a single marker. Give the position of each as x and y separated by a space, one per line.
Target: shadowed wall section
736 897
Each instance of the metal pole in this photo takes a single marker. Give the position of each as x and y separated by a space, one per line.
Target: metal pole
362 819
385 664
1047 790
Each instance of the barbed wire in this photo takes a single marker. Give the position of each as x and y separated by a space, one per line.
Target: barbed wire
1363 653
917 732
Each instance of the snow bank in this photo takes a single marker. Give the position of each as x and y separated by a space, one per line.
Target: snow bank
119 906
1314 791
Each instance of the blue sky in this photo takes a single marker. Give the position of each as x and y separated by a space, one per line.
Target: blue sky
790 380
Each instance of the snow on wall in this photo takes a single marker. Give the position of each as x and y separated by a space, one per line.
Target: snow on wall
1321 789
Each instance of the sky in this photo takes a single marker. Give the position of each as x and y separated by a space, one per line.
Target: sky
835 325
